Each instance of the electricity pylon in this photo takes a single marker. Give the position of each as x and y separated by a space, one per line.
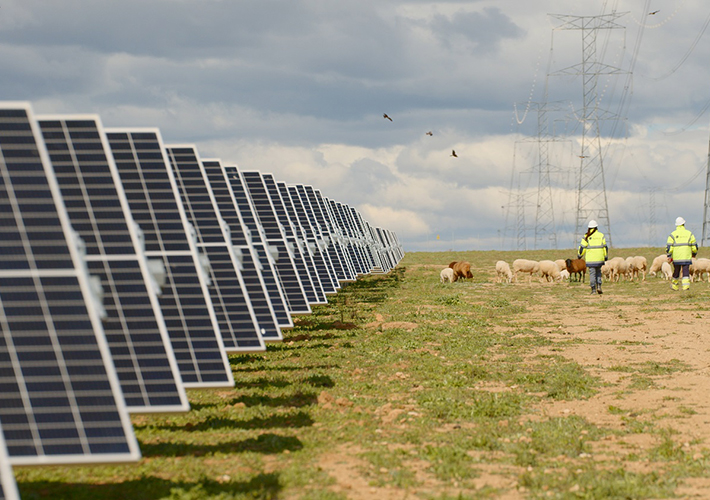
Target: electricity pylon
591 187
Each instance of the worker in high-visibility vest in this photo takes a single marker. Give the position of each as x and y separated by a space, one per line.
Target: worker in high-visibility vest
595 253
681 247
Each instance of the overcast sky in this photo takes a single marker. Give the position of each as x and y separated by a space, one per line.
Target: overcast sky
298 88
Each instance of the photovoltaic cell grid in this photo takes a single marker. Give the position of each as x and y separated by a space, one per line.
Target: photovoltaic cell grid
299 261
237 323
258 243
187 309
285 268
318 251
336 237
301 242
98 212
253 280
351 244
339 266
61 398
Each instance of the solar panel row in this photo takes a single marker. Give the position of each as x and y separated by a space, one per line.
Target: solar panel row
131 268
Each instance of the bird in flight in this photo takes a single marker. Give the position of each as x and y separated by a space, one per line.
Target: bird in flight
583 156
385 116
654 12
453 153
429 133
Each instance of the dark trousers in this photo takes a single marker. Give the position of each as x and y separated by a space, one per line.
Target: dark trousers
677 269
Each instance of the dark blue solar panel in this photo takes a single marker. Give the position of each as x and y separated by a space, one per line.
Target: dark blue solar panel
237 322
350 244
98 212
325 231
336 238
61 398
185 302
253 279
301 243
285 267
299 261
318 252
258 243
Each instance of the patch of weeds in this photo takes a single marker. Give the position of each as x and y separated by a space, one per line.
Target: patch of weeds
497 404
684 410
388 468
449 300
641 383
667 449
599 484
449 463
563 381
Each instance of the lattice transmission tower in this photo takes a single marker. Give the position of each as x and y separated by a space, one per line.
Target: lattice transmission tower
591 187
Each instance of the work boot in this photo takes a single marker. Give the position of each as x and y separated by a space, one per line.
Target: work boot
686 284
594 290
599 290
674 284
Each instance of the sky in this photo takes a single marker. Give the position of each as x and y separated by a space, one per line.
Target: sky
298 88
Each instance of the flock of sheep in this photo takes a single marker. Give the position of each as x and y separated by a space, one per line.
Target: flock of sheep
614 269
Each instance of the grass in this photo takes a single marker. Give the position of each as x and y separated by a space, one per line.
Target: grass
403 383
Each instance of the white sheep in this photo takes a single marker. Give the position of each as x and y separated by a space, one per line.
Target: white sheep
656 264
618 268
549 270
446 275
700 267
606 271
525 266
503 272
561 264
666 270
636 266
564 275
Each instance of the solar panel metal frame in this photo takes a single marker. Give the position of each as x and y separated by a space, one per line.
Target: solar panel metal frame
301 242
193 328
28 438
284 265
304 265
140 345
260 246
243 334
241 241
8 485
314 241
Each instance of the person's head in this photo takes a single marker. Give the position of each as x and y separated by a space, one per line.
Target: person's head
680 221
591 227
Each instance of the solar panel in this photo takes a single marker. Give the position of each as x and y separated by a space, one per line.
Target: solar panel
336 237
253 279
314 243
237 323
8 486
258 243
365 237
313 290
187 308
351 243
62 401
301 242
285 267
98 212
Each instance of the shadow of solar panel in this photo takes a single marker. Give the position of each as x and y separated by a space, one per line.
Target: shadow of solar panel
285 267
309 287
268 272
235 315
98 212
253 280
8 486
62 402
185 302
318 252
301 242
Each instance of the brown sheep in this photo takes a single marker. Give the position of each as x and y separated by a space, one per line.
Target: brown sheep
461 270
577 267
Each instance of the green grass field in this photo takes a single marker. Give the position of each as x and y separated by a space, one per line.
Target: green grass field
404 388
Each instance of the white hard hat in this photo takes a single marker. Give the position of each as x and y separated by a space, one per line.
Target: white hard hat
679 221
592 223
